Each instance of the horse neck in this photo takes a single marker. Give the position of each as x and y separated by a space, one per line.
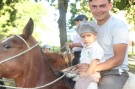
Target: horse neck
37 72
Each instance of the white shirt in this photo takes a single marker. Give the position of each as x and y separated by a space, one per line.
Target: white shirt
76 39
93 51
114 31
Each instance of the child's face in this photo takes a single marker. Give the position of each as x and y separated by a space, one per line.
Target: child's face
88 38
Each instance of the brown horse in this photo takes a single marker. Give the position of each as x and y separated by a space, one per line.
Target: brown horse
22 59
56 61
59 60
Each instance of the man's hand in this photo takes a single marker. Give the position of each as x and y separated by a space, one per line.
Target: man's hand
71 45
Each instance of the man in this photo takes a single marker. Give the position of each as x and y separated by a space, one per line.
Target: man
76 45
113 38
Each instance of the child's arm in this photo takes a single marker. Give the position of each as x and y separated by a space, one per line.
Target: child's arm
90 72
92 66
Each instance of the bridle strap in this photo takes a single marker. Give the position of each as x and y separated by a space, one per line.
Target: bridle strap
23 40
19 54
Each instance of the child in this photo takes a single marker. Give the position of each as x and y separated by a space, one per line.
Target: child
76 45
91 55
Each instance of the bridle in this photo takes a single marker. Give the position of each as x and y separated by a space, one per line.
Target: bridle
21 53
25 51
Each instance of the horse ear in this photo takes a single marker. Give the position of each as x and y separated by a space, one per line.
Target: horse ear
28 29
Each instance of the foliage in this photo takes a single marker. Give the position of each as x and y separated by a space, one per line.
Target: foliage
62 6
121 4
7 16
34 10
71 23
129 7
14 14
131 16
75 10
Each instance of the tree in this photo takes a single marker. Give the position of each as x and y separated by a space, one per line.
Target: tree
62 6
7 16
14 14
129 7
131 14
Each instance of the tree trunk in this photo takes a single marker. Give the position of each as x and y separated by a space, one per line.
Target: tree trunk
62 6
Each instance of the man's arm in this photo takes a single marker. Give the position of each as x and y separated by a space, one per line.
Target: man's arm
72 45
116 60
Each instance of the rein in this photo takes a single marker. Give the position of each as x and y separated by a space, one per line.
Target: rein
36 87
29 48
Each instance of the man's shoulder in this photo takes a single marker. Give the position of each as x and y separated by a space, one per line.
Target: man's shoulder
117 21
97 47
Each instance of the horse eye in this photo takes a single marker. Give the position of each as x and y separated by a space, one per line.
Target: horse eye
7 46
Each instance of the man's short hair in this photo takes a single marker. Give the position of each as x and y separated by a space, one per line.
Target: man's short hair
107 0
81 18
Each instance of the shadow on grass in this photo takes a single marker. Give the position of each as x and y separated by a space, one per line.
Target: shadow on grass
132 68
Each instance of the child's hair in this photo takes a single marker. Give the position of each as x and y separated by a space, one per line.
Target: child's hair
84 27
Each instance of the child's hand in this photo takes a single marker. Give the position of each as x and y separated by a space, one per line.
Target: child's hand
84 74
82 67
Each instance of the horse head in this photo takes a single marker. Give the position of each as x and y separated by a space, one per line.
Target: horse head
22 59
12 46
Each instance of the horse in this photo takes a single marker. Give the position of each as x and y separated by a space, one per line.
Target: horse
57 61
22 59
60 60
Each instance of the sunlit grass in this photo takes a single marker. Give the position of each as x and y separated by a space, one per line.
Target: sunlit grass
132 68
131 51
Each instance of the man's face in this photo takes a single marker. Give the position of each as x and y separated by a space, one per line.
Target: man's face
100 9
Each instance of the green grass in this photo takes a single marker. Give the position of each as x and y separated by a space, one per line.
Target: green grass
132 68
131 54
131 51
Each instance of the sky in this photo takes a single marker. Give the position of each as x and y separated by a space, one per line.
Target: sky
51 35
